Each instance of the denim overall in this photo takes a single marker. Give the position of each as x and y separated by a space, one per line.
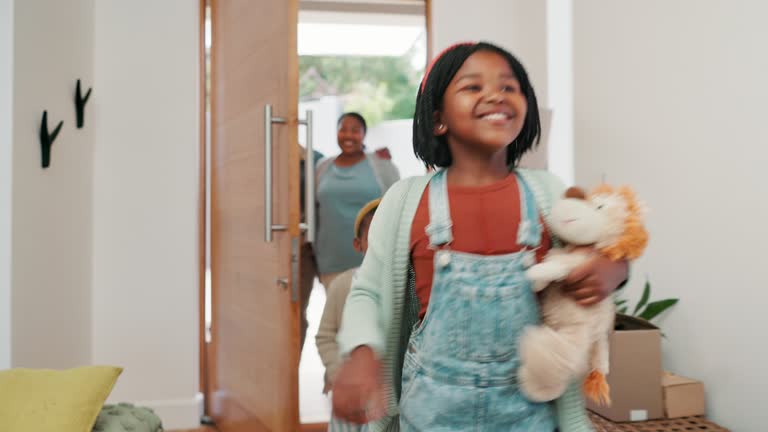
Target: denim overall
338 425
460 368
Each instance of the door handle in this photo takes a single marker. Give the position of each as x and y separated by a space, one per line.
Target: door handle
310 225
269 227
269 120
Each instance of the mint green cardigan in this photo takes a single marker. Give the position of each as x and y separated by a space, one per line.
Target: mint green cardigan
380 313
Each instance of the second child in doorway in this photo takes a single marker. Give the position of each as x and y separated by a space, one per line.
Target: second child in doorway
334 307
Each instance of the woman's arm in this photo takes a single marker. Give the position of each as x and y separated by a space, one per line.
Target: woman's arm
389 174
385 170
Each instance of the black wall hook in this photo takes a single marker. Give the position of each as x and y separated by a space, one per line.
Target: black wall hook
46 139
80 102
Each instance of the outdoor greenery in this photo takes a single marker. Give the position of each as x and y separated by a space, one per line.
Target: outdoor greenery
379 88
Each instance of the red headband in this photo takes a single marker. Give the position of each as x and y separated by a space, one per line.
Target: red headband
434 60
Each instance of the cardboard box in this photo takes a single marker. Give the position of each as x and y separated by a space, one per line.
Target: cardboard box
635 372
683 397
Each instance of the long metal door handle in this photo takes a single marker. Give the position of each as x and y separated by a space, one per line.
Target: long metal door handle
269 120
310 225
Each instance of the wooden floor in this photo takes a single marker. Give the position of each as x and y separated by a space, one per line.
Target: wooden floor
320 427
200 429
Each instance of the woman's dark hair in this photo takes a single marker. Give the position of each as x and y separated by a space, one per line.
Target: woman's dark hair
355 116
433 150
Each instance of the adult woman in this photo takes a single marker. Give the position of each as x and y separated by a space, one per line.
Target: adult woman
345 183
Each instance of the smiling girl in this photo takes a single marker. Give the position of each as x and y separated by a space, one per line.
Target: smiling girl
431 325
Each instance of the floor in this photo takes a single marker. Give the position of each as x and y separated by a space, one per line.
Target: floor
305 428
314 406
200 429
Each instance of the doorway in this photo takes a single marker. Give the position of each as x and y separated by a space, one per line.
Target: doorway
359 42
371 62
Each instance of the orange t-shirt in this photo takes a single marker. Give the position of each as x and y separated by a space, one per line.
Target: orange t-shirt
485 221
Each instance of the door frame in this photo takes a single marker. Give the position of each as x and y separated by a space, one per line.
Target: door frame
202 217
206 362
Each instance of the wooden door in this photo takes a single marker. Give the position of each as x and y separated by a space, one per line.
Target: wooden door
254 353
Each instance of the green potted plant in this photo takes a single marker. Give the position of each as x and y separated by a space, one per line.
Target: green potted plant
644 309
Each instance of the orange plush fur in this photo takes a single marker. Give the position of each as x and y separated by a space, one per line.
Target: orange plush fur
573 341
634 238
629 245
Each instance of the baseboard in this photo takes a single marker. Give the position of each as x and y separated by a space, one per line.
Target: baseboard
177 413
314 427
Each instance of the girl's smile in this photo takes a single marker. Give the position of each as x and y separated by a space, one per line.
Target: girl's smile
498 117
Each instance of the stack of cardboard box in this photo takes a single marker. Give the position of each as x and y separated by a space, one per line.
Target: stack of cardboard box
640 389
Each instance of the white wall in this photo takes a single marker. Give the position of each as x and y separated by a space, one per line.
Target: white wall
325 113
517 25
397 136
670 98
560 87
104 242
145 284
6 165
51 209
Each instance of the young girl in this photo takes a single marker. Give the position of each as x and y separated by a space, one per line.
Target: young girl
431 324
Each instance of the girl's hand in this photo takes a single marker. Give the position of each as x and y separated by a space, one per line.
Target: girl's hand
596 279
358 396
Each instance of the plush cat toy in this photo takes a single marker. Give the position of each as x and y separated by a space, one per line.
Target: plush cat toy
572 341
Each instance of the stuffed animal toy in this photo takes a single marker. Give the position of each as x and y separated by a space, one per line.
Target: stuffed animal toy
572 342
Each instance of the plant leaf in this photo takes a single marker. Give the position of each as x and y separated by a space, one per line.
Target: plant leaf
619 302
623 310
644 299
653 309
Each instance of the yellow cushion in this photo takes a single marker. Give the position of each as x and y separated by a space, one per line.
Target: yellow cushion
42 400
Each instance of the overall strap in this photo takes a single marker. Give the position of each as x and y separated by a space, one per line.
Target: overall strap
529 230
440 224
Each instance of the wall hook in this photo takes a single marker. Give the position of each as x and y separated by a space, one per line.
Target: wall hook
80 102
46 139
